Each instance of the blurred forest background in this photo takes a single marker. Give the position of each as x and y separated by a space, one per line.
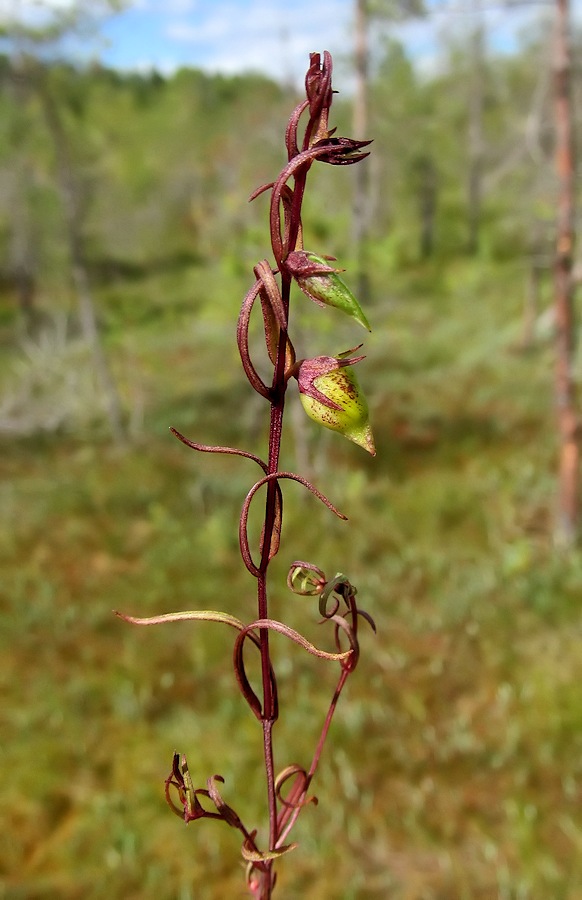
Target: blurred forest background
454 768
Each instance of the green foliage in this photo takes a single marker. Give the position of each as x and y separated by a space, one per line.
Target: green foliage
461 745
462 742
162 178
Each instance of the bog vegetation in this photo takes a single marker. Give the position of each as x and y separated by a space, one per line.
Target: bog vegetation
458 751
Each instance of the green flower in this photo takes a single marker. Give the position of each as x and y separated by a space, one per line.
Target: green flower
330 395
322 284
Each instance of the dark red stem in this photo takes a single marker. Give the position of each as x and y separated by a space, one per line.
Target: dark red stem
278 389
318 86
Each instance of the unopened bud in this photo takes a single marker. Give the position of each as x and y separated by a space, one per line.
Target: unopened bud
341 151
322 284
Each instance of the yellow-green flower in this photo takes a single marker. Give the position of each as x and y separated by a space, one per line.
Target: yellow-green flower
330 395
322 284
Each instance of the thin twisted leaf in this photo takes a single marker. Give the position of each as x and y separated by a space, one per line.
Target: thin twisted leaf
264 272
275 538
207 448
368 618
277 525
298 788
291 131
242 337
256 856
273 625
287 196
343 625
319 93
210 615
287 199
242 680
205 615
272 333
243 533
227 813
260 190
278 242
329 149
297 637
270 326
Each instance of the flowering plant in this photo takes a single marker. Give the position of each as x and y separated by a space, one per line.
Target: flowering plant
332 397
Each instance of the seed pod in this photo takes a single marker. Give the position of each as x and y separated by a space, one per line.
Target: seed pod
330 395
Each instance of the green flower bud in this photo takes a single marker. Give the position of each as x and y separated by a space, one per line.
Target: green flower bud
322 284
331 396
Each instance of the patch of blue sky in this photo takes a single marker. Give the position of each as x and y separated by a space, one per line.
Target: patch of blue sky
276 36
227 35
273 36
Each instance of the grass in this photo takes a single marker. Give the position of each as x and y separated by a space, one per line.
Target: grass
455 765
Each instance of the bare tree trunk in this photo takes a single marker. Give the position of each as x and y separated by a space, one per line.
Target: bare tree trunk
427 201
567 517
475 134
539 262
22 251
361 204
71 201
22 247
531 304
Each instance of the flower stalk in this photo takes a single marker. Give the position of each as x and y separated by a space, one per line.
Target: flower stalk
331 396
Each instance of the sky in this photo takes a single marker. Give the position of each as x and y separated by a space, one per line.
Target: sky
228 35
273 36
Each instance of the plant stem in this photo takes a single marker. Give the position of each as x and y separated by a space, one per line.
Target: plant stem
275 431
296 801
279 387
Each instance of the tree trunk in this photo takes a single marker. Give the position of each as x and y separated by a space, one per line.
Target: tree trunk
538 263
22 247
475 133
71 201
567 516
361 204
531 304
22 252
427 201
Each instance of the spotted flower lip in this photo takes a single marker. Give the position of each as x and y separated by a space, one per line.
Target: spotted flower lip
331 396
321 283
